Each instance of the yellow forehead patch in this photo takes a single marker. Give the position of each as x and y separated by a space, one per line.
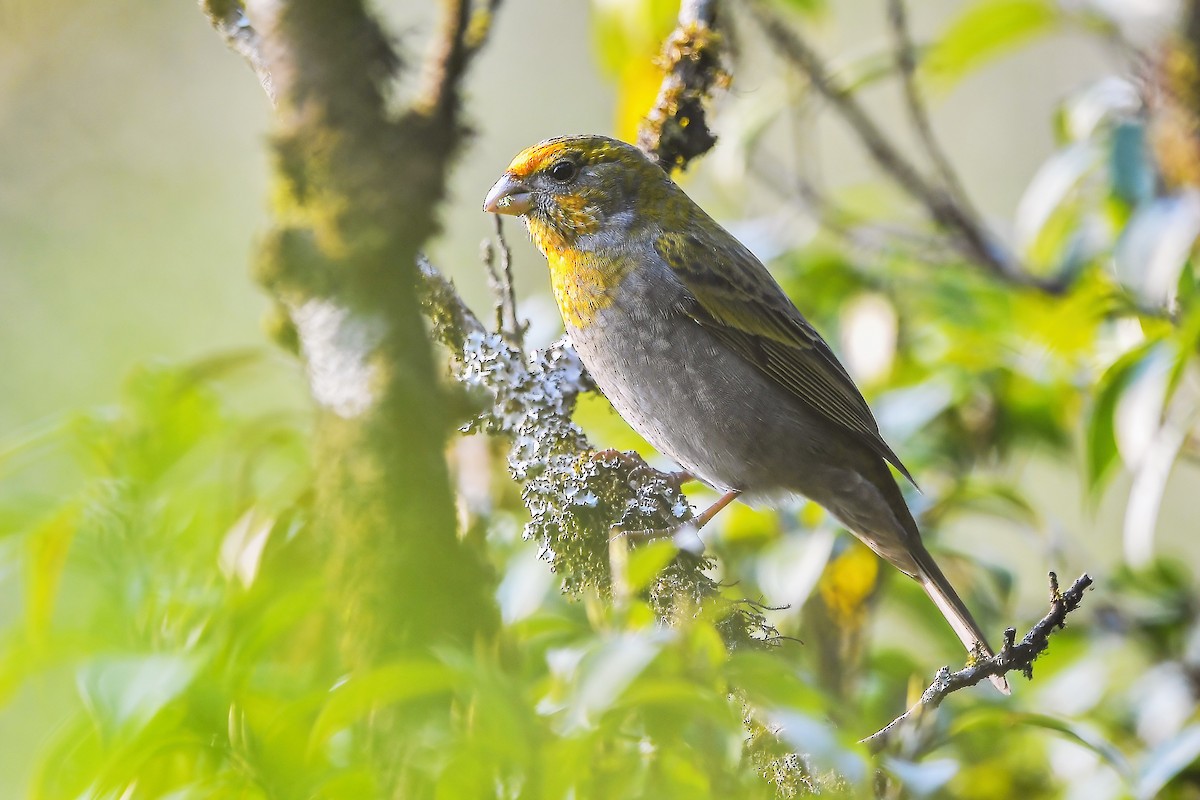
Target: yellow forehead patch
587 149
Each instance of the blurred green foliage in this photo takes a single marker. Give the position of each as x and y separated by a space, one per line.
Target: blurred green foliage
166 630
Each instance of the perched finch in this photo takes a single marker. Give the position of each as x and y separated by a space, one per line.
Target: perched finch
700 350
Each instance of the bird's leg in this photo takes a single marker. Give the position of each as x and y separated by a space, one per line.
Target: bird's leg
695 523
707 514
679 478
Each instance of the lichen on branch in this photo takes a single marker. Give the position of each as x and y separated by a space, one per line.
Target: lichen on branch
574 495
675 131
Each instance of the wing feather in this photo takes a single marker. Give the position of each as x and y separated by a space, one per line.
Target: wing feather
732 295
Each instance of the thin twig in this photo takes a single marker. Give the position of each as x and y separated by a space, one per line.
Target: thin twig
1012 656
970 238
464 32
449 60
906 61
500 284
872 238
503 289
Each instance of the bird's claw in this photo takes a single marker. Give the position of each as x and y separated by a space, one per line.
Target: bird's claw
634 461
685 535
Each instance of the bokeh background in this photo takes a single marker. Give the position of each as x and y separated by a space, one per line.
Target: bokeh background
133 184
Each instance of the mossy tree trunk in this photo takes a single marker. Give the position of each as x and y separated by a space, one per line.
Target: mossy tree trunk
356 190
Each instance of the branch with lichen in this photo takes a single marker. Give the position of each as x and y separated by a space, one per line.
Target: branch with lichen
1012 657
575 496
228 18
675 131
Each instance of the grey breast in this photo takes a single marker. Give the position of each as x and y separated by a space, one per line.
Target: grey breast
691 397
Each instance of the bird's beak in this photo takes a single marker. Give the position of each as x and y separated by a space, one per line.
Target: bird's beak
508 196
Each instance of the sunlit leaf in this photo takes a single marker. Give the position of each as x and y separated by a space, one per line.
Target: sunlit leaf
790 569
48 547
123 693
1109 97
925 777
1150 484
1045 220
628 36
606 673
1139 409
524 585
984 31
820 741
1157 244
1166 761
359 695
242 548
646 561
1082 734
1101 440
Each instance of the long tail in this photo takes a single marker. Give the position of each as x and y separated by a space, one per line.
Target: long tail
902 547
935 584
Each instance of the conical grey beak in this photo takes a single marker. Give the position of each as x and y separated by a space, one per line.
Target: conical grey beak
508 196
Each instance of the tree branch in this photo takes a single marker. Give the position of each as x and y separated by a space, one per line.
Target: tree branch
1012 657
969 236
574 495
340 261
675 131
228 18
906 63
463 35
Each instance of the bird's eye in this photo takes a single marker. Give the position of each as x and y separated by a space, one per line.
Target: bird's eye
563 171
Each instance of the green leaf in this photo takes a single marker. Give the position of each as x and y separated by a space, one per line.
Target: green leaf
1156 245
922 778
1002 500
1081 733
1049 214
359 695
606 673
983 32
1101 440
48 548
1166 761
124 693
1132 171
811 8
646 561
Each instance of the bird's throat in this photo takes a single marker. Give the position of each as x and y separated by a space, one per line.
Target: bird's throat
584 284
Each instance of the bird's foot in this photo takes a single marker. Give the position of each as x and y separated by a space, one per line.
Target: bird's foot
677 479
634 461
686 536
683 533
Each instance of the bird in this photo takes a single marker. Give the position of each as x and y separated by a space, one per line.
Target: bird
701 351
